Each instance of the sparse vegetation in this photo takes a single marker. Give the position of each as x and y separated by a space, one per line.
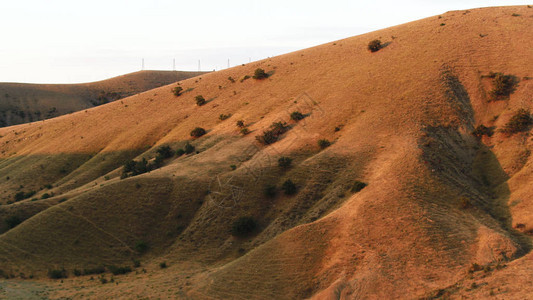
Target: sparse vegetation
374 45
297 116
324 143
198 132
284 162
240 123
57 274
358 186
244 131
503 85
46 196
141 247
260 74
165 152
163 265
270 191
134 168
94 270
22 195
223 117
244 226
245 77
180 152
119 270
482 130
520 122
177 91
12 221
200 100
272 135
289 188
231 79
189 148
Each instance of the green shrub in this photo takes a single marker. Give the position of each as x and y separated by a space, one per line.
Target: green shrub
223 117
374 45
244 226
177 91
12 221
297 116
141 247
272 135
482 130
244 131
46 196
240 123
189 148
284 162
180 152
200 100
519 122
358 186
270 191
233 167
48 186
119 270
57 274
503 85
163 265
198 132
245 78
289 188
260 74
22 195
165 152
133 168
231 79
323 143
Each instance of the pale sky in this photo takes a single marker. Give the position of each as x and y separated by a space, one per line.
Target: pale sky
68 41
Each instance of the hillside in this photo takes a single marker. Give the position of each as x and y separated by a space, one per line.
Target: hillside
447 209
24 102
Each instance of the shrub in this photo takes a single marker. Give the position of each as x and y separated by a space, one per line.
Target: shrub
95 270
374 45
482 130
519 122
76 272
12 221
57 274
165 152
22 195
119 270
163 265
231 79
358 186
279 128
245 77
240 123
243 227
223 117
260 74
233 167
270 191
180 152
200 100
136 263
197 132
297 116
323 143
284 162
244 131
141 247
288 187
133 168
503 85
189 148
177 91
267 138
46 196
48 186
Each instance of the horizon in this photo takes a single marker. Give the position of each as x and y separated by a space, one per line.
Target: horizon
64 42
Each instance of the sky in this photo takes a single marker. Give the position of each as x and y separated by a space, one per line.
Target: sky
71 41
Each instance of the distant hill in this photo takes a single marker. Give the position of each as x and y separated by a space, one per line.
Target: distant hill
23 102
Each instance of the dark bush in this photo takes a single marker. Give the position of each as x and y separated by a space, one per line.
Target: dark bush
76 272
297 116
197 132
177 91
223 117
163 265
358 186
119 270
270 191
244 131
180 152
289 188
95 270
243 227
48 186
260 74
136 263
200 100
245 77
519 122
231 79
165 152
503 85
240 123
189 148
133 168
141 247
374 45
323 143
57 274
284 162
46 196
22 195
279 128
267 138
12 221
482 130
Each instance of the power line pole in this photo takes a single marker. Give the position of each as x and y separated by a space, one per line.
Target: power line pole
198 65
228 63
174 64
142 65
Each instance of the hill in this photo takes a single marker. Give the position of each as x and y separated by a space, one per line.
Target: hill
394 189
24 102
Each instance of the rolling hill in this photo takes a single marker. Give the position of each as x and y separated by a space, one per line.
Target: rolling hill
409 177
24 102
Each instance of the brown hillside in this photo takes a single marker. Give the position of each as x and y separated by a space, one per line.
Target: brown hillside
24 102
442 208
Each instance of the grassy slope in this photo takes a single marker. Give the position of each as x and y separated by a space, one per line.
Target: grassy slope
406 114
23 102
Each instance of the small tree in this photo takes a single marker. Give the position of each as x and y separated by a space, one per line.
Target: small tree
177 91
165 152
243 227
503 85
323 143
200 100
357 186
260 74
198 132
289 188
189 148
297 116
374 45
519 122
284 162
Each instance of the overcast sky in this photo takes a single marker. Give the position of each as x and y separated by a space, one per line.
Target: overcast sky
67 41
